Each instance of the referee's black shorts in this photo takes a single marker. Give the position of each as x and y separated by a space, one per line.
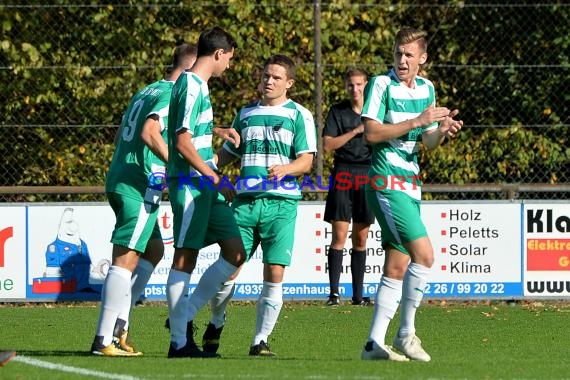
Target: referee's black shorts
347 203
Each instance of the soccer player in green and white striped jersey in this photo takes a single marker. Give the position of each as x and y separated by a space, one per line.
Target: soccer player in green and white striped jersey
272 135
133 193
201 214
278 144
399 112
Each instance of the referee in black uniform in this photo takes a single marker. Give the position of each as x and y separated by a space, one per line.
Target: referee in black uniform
343 135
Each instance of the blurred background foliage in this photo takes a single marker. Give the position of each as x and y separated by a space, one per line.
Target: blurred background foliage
69 68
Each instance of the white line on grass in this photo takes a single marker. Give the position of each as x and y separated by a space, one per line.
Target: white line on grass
75 370
281 376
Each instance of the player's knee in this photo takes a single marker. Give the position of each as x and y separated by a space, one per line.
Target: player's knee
426 261
396 273
184 260
128 262
359 244
234 257
395 269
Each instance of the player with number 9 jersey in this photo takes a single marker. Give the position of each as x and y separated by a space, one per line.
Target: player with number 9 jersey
135 167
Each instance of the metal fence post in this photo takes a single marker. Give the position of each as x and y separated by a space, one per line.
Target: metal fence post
318 89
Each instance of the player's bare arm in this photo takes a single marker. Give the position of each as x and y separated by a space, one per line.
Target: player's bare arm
151 136
448 127
186 148
332 143
375 132
228 134
223 158
301 165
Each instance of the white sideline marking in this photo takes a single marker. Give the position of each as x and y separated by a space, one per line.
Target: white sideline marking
76 370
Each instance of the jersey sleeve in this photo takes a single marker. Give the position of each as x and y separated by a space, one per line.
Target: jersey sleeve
160 109
375 99
188 107
305 139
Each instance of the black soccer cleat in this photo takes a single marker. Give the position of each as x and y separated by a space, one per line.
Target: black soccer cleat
189 351
365 301
334 300
261 349
211 338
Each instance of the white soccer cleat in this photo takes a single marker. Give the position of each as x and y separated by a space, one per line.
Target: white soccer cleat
375 351
411 346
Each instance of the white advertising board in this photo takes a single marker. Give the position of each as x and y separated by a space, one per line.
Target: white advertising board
477 249
482 250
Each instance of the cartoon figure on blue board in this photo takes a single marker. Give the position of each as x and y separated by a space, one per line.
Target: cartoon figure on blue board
68 265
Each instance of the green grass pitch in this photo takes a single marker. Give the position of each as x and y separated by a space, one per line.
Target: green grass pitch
476 340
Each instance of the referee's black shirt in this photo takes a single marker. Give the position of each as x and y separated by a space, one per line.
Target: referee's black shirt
340 120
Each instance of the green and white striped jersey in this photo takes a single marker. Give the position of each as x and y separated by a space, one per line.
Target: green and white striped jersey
190 111
395 162
271 135
133 162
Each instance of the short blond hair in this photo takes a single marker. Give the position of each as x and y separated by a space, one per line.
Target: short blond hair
408 35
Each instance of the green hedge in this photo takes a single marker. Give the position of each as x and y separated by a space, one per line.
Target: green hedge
78 65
